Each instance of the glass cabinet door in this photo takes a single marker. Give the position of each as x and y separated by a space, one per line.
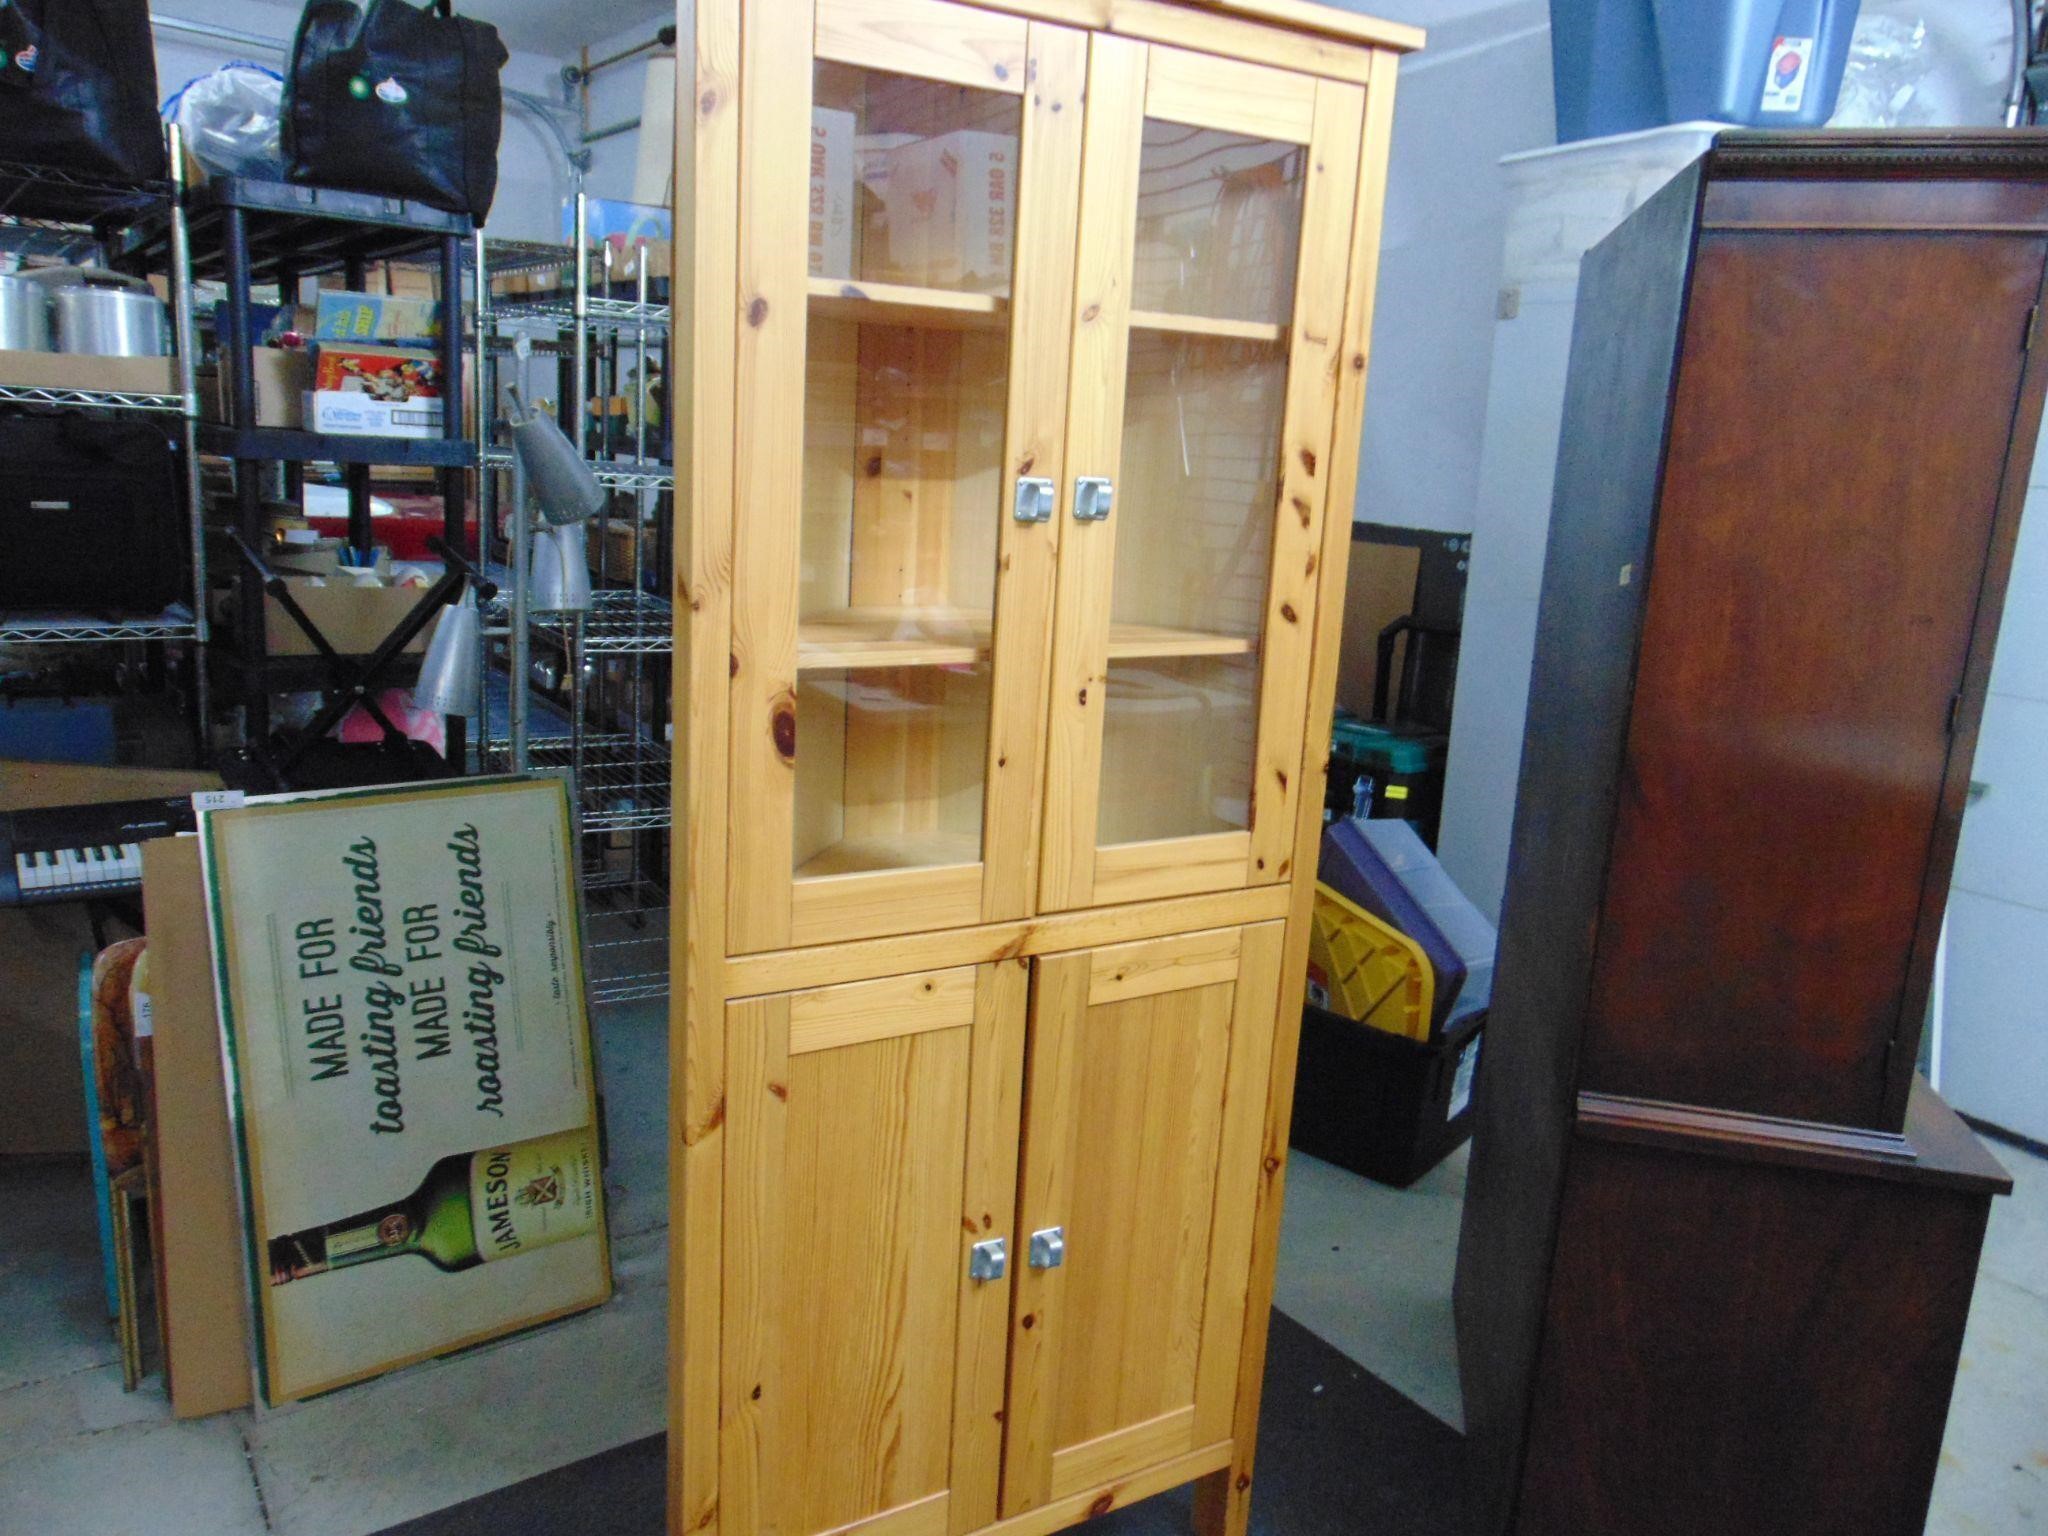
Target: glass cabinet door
1215 237
895 383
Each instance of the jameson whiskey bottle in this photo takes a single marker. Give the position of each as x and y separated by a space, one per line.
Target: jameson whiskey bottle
469 1209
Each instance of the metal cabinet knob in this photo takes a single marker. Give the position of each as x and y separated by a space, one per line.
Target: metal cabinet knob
1035 497
1049 1248
1092 496
989 1260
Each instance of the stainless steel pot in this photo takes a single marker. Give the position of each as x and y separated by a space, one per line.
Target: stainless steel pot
103 314
24 314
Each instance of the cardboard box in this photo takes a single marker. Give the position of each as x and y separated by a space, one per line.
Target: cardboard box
354 619
202 1300
69 370
947 208
282 379
376 317
321 558
830 216
376 391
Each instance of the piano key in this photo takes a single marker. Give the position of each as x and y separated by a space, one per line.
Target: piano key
131 861
42 874
25 875
99 869
68 870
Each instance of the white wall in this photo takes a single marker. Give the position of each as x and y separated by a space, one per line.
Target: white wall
1995 1064
532 174
616 95
1480 90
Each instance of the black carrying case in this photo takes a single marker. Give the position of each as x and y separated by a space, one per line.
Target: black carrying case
396 100
91 515
78 87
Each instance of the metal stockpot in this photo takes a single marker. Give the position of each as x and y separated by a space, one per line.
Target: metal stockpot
24 314
103 314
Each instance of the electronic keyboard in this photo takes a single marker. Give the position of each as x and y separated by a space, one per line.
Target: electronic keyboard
71 852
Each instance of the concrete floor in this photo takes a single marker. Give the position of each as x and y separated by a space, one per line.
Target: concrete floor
1365 1268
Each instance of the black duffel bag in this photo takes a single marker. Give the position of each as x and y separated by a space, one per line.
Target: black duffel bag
396 100
91 514
78 87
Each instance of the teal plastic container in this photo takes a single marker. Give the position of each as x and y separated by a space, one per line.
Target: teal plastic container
1625 65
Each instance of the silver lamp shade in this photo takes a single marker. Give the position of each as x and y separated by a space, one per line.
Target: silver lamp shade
561 483
560 581
449 673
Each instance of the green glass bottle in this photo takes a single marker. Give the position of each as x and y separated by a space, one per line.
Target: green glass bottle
471 1208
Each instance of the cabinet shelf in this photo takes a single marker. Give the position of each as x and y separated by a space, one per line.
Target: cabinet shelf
1204 325
855 638
857 855
833 298
1141 642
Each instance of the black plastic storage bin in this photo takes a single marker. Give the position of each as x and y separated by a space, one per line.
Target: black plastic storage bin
1381 1105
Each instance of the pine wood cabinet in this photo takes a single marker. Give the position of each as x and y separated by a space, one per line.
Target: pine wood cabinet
1025 349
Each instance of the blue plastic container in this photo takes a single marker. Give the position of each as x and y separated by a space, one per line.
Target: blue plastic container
1624 65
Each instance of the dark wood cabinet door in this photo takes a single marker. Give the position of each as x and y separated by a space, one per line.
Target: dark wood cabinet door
1840 436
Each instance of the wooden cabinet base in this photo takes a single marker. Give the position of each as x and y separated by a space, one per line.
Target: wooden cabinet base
1748 1327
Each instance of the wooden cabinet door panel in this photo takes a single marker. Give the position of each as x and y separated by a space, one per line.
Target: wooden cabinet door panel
871 1140
1216 220
1779 860
1144 1118
900 364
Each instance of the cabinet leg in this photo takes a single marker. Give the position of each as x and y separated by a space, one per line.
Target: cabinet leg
1223 1501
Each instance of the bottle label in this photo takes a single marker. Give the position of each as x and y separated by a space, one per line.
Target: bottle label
534 1193
368 1240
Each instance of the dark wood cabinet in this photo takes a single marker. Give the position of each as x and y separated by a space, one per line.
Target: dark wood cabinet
1718 1246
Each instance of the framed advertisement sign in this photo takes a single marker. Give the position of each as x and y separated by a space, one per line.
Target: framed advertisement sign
402 1010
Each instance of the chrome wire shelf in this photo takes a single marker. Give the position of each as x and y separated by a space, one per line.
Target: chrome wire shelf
51 627
625 938
620 622
51 198
624 785
602 314
505 258
91 399
617 474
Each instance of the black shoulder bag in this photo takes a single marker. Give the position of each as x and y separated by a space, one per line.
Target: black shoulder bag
396 100
78 87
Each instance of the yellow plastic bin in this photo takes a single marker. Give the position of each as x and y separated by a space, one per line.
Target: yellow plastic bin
1368 970
1376 1093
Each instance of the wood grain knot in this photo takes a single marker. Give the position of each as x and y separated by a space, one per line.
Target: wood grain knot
1028 1321
782 725
1092 312
757 310
1104 1503
707 103
780 1090
1308 456
1287 612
